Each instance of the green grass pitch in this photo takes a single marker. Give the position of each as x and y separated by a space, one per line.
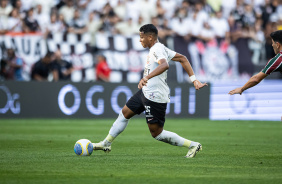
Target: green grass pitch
41 151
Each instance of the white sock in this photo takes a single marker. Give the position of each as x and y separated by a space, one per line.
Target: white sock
171 138
193 144
118 127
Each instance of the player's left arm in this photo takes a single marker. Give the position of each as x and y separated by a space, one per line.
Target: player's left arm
254 80
188 68
163 66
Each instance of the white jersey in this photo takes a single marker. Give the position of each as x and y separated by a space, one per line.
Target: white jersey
157 89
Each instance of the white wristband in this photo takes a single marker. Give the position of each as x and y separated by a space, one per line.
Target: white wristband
192 78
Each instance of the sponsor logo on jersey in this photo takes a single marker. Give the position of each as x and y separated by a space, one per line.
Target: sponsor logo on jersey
155 55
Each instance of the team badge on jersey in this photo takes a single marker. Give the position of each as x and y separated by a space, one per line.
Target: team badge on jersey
151 96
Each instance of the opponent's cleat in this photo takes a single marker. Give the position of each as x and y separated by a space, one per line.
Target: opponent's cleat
99 146
194 150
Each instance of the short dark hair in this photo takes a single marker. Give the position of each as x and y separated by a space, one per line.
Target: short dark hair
277 36
149 28
49 54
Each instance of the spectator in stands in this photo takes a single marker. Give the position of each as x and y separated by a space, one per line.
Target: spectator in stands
148 10
88 6
82 6
257 3
227 7
279 11
120 10
207 34
236 31
215 4
107 9
199 16
249 16
19 6
169 6
109 20
62 22
5 10
133 10
155 21
207 7
102 69
43 19
257 40
61 69
160 10
23 6
77 25
45 4
3 28
140 21
279 23
97 5
14 21
30 23
238 12
270 27
180 24
94 24
12 66
54 26
40 70
127 28
267 10
220 27
67 11
164 30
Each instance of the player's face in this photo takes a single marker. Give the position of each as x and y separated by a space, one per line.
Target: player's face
144 40
276 46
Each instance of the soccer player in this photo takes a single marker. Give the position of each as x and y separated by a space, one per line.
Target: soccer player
153 95
273 65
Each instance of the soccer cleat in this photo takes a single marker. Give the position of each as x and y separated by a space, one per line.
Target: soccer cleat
194 150
99 146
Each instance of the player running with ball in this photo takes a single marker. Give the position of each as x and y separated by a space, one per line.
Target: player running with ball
153 95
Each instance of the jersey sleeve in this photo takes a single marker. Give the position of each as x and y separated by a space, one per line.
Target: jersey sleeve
272 64
171 54
163 53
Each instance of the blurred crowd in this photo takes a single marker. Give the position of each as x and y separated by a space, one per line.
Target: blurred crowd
227 20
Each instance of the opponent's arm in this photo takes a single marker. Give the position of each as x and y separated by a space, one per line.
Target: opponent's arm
163 66
254 80
188 68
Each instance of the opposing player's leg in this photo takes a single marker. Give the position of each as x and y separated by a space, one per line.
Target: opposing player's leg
133 106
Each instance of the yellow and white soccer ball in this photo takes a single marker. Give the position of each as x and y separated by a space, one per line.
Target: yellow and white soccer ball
83 147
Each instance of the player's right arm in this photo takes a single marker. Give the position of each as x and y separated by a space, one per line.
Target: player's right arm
188 68
163 66
254 80
271 66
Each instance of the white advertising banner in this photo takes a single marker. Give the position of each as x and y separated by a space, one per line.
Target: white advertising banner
262 102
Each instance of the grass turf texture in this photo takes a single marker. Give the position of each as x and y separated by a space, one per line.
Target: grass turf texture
41 151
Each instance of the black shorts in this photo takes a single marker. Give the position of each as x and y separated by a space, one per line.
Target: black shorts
155 112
